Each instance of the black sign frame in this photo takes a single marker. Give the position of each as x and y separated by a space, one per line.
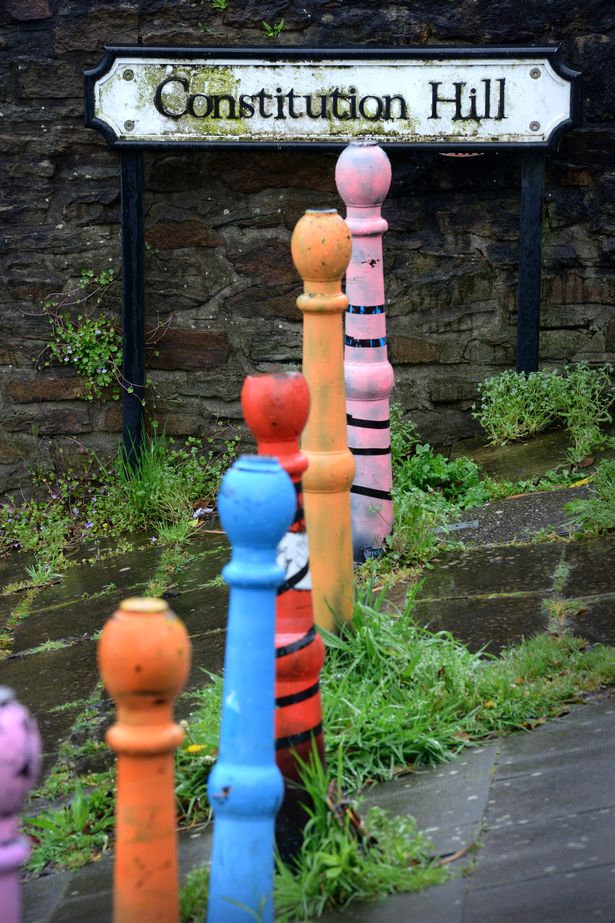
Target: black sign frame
505 52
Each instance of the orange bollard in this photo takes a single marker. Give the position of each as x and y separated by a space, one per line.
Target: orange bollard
144 660
321 246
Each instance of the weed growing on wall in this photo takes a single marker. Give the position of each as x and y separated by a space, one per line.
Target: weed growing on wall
85 335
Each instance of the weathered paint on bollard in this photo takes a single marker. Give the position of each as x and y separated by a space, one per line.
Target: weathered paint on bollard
256 504
20 763
363 177
276 408
144 659
321 246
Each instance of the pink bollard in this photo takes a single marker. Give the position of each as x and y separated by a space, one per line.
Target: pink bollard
363 177
20 763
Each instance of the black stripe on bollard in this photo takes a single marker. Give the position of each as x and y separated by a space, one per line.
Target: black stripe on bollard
370 492
297 645
285 742
370 451
364 344
365 309
294 579
367 424
296 697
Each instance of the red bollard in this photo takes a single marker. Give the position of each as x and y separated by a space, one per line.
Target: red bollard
276 409
144 659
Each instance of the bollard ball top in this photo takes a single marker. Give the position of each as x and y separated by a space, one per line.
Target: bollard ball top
20 753
257 502
363 174
321 246
144 651
276 406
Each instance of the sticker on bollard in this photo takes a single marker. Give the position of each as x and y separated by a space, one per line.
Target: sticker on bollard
257 504
276 408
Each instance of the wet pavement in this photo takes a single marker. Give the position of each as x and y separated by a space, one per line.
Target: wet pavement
539 826
495 596
525 797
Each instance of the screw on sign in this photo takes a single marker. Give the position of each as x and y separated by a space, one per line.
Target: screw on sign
363 177
321 247
144 659
20 763
257 503
276 409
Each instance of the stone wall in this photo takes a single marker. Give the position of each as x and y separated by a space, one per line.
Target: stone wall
218 225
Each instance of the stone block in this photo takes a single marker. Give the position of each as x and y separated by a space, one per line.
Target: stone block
60 385
190 350
47 420
443 391
270 262
412 350
178 235
258 301
28 10
275 170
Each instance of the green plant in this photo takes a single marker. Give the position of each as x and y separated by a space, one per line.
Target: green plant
595 515
337 865
515 405
585 396
403 437
163 486
274 30
194 894
219 5
71 835
88 342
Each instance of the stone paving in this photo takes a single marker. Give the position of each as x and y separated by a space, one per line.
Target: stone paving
540 806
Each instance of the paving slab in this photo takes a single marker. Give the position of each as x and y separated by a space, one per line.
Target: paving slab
592 567
596 620
526 849
485 624
485 571
573 897
51 678
447 803
442 904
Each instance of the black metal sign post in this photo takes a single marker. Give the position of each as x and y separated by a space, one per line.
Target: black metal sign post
419 99
530 261
133 308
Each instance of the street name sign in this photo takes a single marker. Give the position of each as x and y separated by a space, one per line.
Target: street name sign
442 98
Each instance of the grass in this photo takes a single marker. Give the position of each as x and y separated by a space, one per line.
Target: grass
338 864
396 695
595 515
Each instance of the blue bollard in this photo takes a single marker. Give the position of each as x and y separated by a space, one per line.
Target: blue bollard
257 504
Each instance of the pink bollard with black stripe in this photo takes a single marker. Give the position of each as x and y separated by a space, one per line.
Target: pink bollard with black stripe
363 178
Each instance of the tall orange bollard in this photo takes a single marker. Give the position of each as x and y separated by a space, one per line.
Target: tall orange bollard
321 246
144 660
276 408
